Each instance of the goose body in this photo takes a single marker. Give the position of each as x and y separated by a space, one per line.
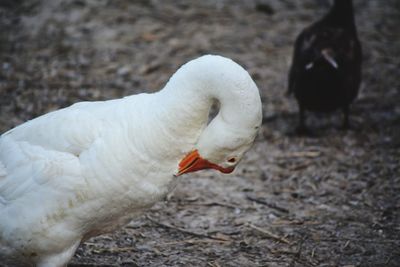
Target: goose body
89 168
326 70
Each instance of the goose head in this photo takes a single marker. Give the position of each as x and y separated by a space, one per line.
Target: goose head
220 148
224 141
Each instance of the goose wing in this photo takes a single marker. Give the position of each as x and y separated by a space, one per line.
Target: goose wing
43 154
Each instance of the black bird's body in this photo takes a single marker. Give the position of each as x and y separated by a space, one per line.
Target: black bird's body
326 68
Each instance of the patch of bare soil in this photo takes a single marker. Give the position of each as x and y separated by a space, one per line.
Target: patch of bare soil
329 200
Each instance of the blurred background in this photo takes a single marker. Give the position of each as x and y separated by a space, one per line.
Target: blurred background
334 197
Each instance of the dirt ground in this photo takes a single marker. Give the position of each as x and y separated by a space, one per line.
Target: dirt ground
328 200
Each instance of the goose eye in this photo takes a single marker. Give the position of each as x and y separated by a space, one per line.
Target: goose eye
232 160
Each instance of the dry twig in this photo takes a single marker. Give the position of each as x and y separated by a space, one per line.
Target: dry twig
192 241
185 230
216 203
360 240
213 264
268 233
301 154
268 204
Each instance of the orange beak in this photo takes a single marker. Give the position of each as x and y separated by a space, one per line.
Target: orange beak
194 162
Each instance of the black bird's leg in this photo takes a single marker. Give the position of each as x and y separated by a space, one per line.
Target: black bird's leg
346 112
302 128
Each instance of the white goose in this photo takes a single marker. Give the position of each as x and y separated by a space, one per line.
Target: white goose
91 167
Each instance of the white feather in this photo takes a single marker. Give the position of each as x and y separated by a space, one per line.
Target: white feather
89 168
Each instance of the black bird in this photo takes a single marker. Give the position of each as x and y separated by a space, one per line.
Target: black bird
326 70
